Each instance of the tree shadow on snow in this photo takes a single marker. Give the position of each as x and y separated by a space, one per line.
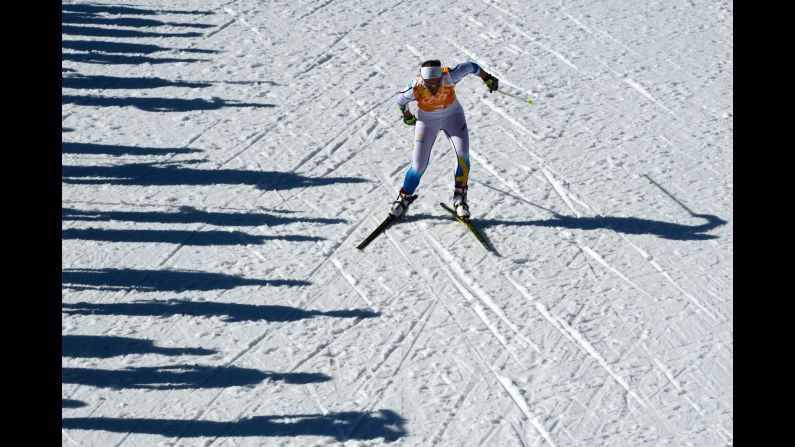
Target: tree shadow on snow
120 59
626 225
161 280
70 403
385 424
116 150
106 346
176 377
124 47
93 19
113 82
72 15
187 215
155 104
164 174
95 31
229 312
183 237
115 9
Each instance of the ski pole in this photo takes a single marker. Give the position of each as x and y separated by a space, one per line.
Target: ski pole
529 101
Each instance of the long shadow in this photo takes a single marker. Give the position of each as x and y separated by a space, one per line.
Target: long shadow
113 82
74 17
161 280
70 403
181 377
152 174
184 237
153 104
189 215
385 424
106 346
95 31
114 9
118 59
229 312
123 47
116 150
626 225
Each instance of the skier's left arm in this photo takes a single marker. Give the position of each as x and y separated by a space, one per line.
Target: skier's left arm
469 67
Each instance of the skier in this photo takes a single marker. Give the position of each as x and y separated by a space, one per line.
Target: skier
434 91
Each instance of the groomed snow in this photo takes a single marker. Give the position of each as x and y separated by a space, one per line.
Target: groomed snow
222 159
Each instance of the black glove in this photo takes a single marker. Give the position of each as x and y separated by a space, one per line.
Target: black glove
409 119
492 82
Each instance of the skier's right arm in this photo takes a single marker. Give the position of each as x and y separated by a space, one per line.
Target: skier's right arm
403 100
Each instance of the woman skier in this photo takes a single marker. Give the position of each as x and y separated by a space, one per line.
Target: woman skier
439 109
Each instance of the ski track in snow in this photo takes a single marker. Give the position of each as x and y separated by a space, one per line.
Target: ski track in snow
562 327
571 333
567 197
522 355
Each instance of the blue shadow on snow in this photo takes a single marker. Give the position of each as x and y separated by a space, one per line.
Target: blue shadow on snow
116 150
161 280
106 346
187 215
229 312
115 9
183 237
119 59
110 15
70 403
95 31
176 377
113 82
123 47
155 104
83 18
626 225
384 424
164 174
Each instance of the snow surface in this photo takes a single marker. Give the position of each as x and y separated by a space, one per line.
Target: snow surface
222 159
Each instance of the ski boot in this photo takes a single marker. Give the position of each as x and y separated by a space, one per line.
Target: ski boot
402 203
460 203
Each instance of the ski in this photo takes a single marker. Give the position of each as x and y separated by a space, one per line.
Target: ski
469 225
381 228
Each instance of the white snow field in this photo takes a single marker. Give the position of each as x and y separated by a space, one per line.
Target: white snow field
222 160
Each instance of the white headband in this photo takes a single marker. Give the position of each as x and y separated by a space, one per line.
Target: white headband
431 72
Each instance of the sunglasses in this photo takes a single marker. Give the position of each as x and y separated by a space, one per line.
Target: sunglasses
437 84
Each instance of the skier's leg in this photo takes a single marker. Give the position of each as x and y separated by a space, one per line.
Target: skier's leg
457 132
455 127
424 135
